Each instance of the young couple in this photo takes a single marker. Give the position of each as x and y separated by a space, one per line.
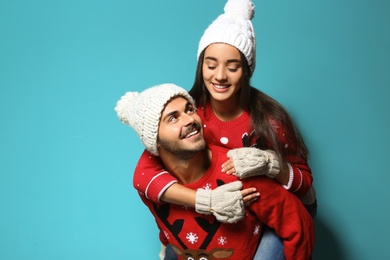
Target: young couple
247 134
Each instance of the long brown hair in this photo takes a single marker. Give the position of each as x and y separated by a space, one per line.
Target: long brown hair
261 108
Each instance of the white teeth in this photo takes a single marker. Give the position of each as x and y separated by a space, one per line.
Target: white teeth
191 134
220 87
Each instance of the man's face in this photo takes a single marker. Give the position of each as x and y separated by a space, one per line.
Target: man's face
180 132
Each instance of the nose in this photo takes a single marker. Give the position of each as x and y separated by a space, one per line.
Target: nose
220 74
187 119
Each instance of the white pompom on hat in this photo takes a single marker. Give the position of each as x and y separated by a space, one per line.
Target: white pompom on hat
233 27
142 111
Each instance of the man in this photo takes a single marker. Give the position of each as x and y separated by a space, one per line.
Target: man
165 118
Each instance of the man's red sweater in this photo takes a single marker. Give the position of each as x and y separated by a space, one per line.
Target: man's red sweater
192 233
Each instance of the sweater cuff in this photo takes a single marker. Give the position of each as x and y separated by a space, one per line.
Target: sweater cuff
158 185
297 180
290 178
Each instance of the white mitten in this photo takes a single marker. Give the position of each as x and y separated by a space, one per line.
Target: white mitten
249 161
225 202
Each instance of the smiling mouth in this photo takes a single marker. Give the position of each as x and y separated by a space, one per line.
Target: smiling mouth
220 86
191 131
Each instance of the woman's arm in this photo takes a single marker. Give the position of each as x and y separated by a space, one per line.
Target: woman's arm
293 172
296 167
300 177
151 179
179 194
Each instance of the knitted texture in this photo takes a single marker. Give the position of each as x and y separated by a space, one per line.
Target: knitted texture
233 27
225 202
251 161
142 111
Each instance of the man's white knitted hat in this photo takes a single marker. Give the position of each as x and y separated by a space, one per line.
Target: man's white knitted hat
142 111
234 27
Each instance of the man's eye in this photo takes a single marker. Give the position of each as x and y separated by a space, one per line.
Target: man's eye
172 119
191 110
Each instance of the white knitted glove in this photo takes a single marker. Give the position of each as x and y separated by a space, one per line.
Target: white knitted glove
249 161
225 202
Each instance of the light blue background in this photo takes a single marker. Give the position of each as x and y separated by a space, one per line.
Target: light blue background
66 161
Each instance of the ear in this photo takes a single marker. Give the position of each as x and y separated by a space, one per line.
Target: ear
222 253
158 142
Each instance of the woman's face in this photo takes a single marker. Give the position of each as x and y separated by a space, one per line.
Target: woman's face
222 71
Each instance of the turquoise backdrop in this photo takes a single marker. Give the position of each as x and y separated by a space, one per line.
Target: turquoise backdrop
66 161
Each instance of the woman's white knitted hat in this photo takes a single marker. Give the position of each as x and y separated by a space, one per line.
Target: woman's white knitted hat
234 27
142 111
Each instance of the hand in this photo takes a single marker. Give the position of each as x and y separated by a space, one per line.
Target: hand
249 161
225 202
249 196
228 167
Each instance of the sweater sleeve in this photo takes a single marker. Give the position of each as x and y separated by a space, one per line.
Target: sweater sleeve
150 177
282 211
301 178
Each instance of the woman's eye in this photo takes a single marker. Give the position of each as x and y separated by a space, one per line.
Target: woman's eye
210 65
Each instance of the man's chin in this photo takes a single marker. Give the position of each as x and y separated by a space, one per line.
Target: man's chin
190 152
199 143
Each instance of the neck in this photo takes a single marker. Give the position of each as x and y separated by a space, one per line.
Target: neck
188 170
226 110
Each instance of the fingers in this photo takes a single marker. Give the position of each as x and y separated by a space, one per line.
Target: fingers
249 196
248 191
249 202
228 167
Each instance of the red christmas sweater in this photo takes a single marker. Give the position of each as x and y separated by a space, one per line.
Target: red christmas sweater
194 234
152 179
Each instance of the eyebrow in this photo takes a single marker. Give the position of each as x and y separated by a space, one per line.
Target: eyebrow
188 104
169 114
228 61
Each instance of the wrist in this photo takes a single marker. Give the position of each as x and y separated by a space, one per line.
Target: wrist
274 167
203 201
